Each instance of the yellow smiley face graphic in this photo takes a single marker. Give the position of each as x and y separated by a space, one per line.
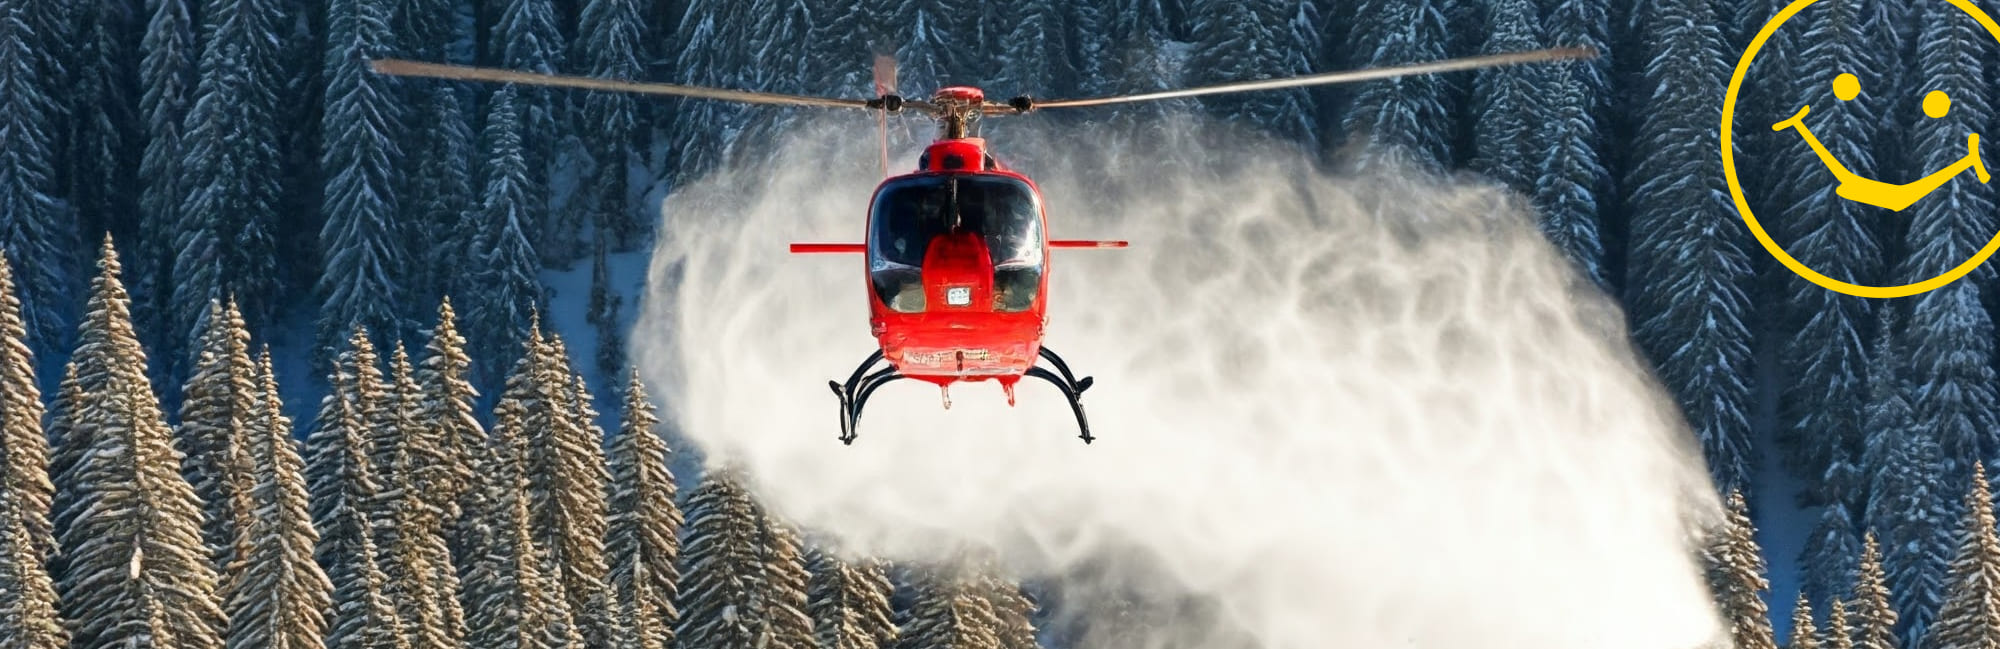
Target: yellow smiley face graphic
1852 186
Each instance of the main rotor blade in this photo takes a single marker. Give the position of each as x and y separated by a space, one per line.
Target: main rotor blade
1349 76
403 68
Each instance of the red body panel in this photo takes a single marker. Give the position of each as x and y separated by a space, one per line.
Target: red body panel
973 341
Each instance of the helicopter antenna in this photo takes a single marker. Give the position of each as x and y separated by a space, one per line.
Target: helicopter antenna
403 68
885 86
1026 104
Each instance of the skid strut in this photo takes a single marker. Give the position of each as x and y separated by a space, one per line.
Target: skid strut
854 393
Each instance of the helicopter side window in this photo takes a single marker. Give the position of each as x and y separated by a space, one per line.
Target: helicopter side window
909 213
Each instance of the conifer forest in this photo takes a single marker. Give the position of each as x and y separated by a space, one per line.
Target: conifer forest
280 364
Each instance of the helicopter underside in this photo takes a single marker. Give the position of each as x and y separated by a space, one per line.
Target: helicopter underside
863 382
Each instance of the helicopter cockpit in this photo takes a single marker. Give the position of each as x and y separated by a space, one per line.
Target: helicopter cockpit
910 213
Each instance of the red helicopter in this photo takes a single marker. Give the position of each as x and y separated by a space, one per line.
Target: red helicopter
957 251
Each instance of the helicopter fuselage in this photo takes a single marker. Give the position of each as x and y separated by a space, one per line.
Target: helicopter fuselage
975 304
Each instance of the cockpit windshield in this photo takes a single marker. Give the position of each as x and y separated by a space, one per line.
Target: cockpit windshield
911 212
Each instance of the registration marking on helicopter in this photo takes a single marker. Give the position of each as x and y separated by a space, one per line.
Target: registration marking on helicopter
945 357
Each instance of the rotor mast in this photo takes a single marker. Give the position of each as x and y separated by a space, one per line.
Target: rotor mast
958 111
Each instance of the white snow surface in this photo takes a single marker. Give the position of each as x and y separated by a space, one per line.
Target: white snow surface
1349 410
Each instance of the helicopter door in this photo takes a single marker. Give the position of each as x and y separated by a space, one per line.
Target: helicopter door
910 213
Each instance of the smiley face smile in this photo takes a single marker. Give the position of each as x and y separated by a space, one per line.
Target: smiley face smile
1888 196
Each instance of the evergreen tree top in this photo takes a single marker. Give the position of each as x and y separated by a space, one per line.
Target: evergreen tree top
1736 573
1875 617
1970 616
1838 634
1804 636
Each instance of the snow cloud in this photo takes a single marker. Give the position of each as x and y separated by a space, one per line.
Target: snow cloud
1332 409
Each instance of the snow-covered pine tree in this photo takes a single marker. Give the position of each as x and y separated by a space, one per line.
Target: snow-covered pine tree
218 407
1804 636
1565 191
567 485
1736 576
610 42
1688 267
1574 183
448 406
366 265
433 180
695 145
166 91
65 448
1822 403
1037 60
509 286
302 34
440 196
24 448
849 602
1766 159
1906 498
768 58
40 236
782 604
527 39
28 617
1136 22
225 240
439 404
1893 26
949 610
1839 634
344 491
415 559
1090 39
644 629
719 566
838 55
1511 102
1013 612
1742 18
514 597
1407 119
604 313
1584 23
424 30
643 544
1260 39
99 162
1970 618
282 595
921 37
1874 620
1827 564
356 379
135 571
1150 63
50 24
1950 329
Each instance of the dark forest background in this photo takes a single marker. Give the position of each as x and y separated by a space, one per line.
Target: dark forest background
240 151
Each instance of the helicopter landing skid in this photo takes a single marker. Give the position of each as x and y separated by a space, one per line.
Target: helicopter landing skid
854 393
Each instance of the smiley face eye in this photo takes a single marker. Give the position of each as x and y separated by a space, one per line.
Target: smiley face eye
1936 104
1846 87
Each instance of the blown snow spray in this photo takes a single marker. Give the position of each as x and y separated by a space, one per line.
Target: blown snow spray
1333 411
